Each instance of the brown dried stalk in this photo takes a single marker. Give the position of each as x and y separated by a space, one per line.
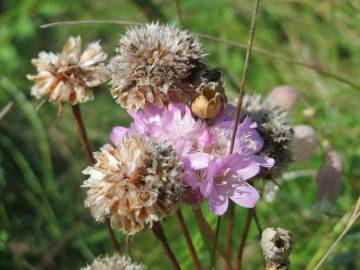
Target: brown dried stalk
221 40
160 235
86 146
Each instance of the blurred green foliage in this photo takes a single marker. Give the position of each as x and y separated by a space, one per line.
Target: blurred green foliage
41 212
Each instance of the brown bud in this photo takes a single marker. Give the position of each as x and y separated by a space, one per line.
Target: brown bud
209 101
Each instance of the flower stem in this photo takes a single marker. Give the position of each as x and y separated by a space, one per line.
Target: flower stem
230 230
189 243
86 146
209 234
160 235
217 229
244 236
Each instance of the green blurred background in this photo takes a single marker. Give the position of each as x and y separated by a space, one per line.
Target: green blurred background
43 224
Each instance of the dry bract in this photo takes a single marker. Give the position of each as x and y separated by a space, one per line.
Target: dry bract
67 76
136 183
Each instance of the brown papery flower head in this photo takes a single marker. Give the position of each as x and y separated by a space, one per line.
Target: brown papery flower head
136 183
154 64
67 76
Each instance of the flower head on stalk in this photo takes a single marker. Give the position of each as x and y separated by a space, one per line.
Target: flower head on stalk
67 76
204 148
220 176
175 124
154 64
137 182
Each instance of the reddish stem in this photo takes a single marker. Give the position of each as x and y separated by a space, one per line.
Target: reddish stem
189 242
244 236
160 235
86 146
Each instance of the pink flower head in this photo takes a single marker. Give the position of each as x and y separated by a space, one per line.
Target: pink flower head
209 170
174 124
223 179
220 176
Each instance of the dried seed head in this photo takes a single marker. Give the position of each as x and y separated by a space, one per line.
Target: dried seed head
154 64
209 101
276 244
136 183
276 131
67 76
115 262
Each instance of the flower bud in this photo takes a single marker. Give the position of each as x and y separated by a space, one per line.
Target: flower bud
209 101
305 142
283 96
329 177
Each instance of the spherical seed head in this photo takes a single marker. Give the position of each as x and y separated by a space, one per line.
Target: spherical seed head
276 244
67 76
154 64
276 131
209 101
136 183
115 262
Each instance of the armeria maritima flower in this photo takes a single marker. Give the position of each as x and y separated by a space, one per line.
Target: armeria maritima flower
135 183
204 148
175 124
220 176
154 64
67 76
115 262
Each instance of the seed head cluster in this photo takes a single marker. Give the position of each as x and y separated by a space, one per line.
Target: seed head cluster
135 183
154 64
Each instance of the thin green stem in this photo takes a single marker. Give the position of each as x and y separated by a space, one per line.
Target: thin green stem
221 40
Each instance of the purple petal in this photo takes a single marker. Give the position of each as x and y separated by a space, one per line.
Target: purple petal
249 171
218 204
206 138
118 133
198 161
264 161
245 195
